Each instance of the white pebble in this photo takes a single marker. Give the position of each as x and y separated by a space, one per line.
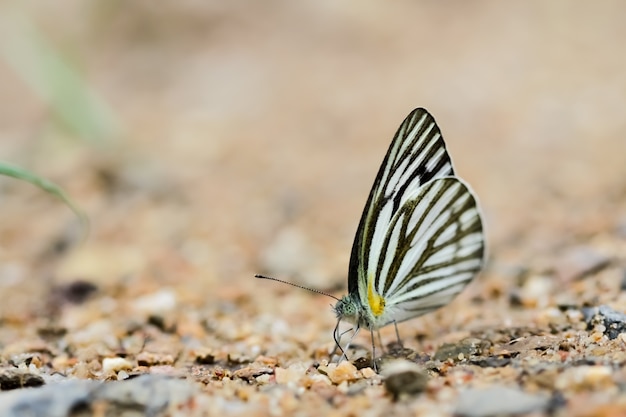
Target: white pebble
115 364
158 302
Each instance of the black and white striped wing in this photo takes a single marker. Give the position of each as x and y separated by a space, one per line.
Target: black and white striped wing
432 249
417 155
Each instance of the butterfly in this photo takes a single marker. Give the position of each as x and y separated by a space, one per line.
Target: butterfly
420 240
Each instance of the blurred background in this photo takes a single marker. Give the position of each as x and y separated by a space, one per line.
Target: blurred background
210 140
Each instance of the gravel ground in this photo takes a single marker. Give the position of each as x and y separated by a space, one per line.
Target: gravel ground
234 138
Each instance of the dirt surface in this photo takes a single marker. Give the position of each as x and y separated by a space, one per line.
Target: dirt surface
233 138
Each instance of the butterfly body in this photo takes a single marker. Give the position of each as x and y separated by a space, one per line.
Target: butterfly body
420 239
371 314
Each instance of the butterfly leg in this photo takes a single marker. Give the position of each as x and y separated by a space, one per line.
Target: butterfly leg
374 349
380 342
345 349
395 325
337 337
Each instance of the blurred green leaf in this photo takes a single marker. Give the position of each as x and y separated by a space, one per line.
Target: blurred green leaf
36 60
50 187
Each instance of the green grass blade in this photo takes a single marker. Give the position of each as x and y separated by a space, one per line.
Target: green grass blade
48 186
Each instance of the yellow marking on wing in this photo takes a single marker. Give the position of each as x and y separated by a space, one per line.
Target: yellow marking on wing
377 303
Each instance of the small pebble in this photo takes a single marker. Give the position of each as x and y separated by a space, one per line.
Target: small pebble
155 303
368 373
14 378
461 350
151 359
292 374
606 320
263 379
404 378
112 365
343 372
585 378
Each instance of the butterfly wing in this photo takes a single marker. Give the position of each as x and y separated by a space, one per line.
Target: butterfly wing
432 249
417 155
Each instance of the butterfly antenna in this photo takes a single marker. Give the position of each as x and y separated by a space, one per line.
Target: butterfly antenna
296 285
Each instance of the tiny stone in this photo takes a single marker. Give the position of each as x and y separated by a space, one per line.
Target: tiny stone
344 372
238 359
110 365
357 388
122 375
51 332
248 373
266 360
461 350
362 363
163 323
263 379
404 378
13 378
582 378
75 292
613 322
156 303
343 387
369 372
491 362
291 374
205 358
316 379
151 359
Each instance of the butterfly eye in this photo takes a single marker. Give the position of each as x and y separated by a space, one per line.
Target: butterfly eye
350 308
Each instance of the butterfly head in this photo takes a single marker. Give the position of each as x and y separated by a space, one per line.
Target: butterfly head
348 308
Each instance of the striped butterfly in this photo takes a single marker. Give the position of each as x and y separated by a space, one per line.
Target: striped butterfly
420 239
